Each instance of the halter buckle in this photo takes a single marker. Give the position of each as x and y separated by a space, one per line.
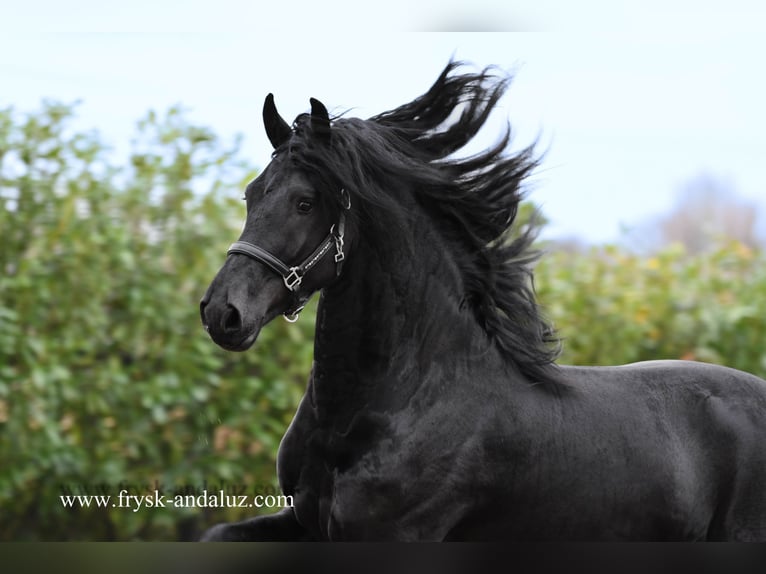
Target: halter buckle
339 255
337 235
293 280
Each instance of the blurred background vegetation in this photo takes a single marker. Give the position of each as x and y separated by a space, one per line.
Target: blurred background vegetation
107 379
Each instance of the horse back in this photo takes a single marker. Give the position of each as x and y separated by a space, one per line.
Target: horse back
702 427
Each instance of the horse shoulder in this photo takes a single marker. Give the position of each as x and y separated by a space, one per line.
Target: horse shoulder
404 485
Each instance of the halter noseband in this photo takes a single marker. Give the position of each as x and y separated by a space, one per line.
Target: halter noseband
293 276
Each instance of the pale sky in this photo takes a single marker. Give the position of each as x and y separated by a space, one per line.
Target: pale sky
628 111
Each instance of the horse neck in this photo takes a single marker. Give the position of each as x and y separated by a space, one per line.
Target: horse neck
395 312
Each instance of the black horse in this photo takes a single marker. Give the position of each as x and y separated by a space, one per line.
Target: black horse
435 410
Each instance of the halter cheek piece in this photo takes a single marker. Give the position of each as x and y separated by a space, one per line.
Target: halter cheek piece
293 276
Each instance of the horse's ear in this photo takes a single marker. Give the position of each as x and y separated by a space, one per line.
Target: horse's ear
320 119
277 129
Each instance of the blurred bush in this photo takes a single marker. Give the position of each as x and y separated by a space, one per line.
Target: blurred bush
613 307
106 377
108 381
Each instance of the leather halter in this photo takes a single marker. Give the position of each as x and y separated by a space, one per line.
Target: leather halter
293 276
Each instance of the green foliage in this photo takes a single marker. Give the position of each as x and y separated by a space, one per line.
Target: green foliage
614 307
108 381
106 376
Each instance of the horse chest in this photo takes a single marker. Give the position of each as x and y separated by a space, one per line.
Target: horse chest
312 457
364 482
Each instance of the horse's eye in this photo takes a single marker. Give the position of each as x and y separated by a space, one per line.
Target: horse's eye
305 206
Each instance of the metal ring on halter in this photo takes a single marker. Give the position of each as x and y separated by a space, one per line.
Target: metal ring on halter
346 198
293 316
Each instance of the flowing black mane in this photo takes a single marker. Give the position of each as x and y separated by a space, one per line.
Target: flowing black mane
434 409
403 157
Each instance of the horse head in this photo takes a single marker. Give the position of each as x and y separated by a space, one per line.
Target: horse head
293 240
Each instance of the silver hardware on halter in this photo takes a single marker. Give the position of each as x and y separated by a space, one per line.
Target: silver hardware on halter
339 256
346 205
292 282
293 276
346 198
294 316
338 237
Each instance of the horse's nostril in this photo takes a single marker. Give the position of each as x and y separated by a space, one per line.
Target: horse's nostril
231 321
